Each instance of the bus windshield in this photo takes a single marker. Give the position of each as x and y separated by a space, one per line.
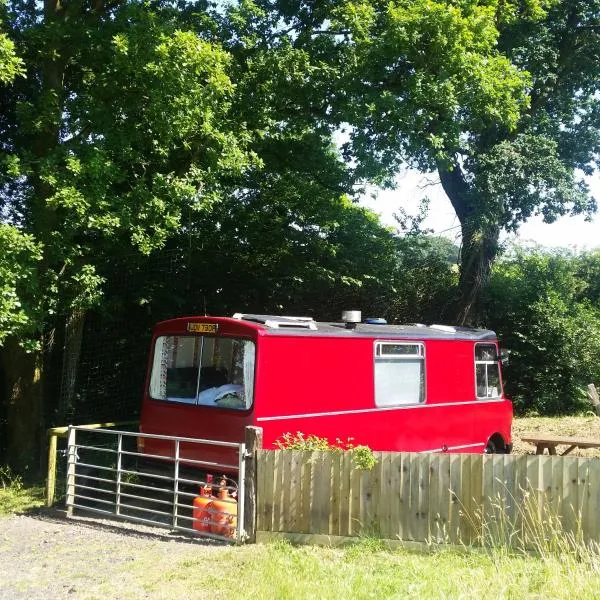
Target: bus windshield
203 370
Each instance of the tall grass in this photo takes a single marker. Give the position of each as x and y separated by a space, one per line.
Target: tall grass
531 526
15 497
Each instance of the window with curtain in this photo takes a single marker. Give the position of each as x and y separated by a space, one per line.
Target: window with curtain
487 371
204 370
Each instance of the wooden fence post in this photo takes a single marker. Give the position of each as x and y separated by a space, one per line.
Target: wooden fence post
593 396
254 436
51 479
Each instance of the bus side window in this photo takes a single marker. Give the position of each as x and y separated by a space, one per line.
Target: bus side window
399 373
487 371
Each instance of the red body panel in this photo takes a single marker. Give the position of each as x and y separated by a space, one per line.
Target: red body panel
324 385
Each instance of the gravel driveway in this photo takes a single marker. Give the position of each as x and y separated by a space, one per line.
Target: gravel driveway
45 555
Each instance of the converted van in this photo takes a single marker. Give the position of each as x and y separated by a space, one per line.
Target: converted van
408 388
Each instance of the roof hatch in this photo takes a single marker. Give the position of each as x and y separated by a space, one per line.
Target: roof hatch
279 322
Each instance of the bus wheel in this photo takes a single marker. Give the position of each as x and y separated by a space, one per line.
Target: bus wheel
495 445
490 448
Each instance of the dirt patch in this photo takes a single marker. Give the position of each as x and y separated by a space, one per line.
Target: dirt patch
586 427
44 555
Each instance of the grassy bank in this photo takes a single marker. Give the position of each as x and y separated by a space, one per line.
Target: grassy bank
15 497
366 570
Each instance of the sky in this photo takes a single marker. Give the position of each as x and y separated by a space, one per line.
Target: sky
567 232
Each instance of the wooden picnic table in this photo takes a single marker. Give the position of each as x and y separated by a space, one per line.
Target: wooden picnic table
543 442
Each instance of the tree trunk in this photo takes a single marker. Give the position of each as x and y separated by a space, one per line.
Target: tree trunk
479 243
22 399
479 250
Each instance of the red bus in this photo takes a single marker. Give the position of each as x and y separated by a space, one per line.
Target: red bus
410 388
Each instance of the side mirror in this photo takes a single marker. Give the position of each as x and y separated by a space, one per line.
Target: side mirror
503 356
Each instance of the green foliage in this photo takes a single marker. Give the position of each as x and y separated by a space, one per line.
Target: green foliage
367 569
500 98
425 278
15 496
19 257
10 480
538 303
425 73
11 66
131 126
363 456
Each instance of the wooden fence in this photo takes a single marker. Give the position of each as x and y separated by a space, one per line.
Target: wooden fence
429 498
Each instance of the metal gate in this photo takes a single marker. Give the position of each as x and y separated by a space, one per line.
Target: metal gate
108 475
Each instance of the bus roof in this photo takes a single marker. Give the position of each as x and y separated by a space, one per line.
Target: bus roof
306 326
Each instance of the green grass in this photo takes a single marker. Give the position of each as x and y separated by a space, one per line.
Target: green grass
281 571
15 497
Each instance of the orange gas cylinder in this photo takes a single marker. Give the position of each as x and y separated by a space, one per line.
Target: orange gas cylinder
224 513
202 505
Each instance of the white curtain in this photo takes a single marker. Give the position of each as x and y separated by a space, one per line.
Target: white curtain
158 378
249 352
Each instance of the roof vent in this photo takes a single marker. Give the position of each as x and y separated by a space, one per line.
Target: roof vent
277 322
375 321
352 318
446 328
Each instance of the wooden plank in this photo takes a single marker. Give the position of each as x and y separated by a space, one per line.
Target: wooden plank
584 497
344 494
387 495
566 440
396 500
455 498
355 501
546 483
522 493
538 523
406 516
278 490
286 509
422 512
570 495
593 531
295 505
465 524
306 492
488 499
510 493
501 493
315 481
371 481
260 488
444 497
270 491
557 484
335 498
432 517
414 508
325 492
319 507
476 497
531 505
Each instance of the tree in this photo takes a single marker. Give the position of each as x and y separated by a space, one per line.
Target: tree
538 302
122 122
501 98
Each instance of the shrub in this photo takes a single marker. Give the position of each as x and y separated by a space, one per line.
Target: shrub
363 456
